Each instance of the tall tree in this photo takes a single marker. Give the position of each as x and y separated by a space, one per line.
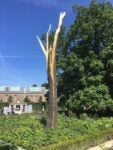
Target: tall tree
50 54
34 85
92 28
87 58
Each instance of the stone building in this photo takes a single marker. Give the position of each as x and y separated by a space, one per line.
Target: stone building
14 94
17 108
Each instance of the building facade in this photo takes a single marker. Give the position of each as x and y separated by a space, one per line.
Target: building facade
14 94
17 108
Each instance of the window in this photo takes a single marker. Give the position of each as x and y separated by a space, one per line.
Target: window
17 107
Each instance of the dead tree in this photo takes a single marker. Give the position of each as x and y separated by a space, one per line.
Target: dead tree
50 53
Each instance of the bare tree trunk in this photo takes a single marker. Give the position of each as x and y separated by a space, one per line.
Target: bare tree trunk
50 54
52 109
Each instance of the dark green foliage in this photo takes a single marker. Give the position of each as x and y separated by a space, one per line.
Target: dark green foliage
107 58
86 64
8 147
38 106
27 100
72 71
3 104
92 99
92 28
45 85
34 85
10 99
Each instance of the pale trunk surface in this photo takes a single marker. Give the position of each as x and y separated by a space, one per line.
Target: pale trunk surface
50 54
52 108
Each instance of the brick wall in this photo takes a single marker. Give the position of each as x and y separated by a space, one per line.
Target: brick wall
34 97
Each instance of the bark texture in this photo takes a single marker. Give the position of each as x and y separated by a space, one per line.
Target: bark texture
52 112
50 54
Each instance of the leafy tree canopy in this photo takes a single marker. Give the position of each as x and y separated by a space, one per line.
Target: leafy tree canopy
85 65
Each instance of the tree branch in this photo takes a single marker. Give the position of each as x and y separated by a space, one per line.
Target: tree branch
47 39
61 17
42 46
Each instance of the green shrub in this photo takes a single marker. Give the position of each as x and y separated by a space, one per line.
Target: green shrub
8 147
26 131
91 99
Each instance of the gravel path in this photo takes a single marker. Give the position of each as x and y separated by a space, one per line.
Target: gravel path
106 145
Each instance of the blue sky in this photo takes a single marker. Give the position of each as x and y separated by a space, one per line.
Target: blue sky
21 59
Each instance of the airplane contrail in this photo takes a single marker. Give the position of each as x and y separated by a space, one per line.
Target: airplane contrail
4 70
15 56
2 62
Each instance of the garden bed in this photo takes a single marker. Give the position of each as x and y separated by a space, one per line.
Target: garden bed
71 133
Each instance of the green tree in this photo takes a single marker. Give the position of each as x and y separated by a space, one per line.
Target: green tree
94 99
34 85
92 28
10 99
27 100
87 59
107 58
46 85
72 71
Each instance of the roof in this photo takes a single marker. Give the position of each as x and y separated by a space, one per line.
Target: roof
22 90
35 89
2 88
15 89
